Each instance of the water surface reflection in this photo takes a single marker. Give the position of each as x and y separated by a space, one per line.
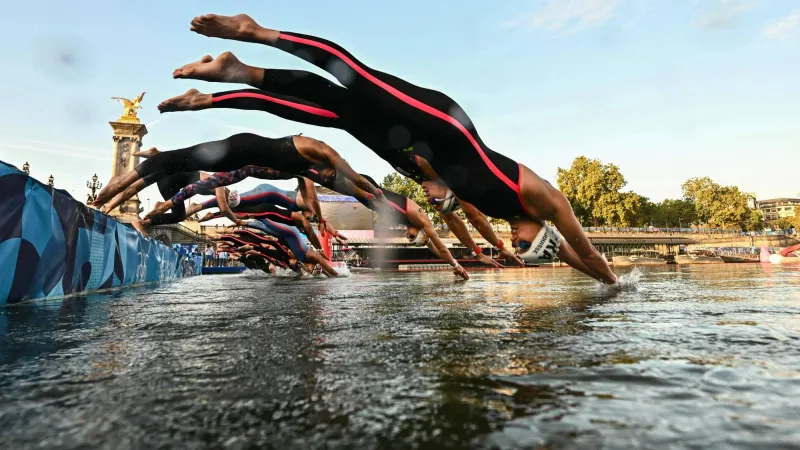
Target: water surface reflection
512 359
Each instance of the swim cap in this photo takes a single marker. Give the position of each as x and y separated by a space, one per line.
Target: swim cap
544 246
233 198
449 202
421 239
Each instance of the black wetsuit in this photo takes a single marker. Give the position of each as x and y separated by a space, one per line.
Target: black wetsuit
168 187
430 123
227 155
299 96
398 202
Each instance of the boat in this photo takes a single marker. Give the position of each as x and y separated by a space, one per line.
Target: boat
698 257
743 258
640 257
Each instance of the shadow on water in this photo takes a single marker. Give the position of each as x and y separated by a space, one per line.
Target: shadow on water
699 356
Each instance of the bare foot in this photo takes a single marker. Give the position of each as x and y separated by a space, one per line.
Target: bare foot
149 153
240 27
107 193
194 208
161 208
225 68
137 225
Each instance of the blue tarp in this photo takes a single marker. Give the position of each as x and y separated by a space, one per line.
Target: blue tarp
52 245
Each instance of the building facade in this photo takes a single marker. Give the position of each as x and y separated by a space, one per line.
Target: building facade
778 208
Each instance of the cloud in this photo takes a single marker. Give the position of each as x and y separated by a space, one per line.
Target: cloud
725 14
568 16
784 27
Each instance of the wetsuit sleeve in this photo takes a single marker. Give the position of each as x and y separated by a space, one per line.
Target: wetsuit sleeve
209 184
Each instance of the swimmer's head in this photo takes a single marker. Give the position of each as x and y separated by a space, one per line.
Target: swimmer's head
416 236
233 198
534 241
440 197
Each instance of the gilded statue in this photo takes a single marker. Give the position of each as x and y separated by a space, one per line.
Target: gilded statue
130 106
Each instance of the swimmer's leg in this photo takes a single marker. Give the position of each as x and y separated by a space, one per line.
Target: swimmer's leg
393 95
283 106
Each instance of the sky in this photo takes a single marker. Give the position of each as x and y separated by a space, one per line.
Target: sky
664 89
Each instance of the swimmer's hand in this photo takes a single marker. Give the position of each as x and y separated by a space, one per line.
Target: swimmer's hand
323 226
207 217
458 270
340 237
242 223
508 254
485 259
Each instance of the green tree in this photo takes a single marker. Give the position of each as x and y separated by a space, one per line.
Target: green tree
405 186
648 212
677 213
719 206
755 221
796 219
593 189
784 223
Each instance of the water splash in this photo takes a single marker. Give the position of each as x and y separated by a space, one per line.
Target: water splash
627 282
341 268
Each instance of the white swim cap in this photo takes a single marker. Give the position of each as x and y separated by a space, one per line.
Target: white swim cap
233 198
421 239
544 246
449 203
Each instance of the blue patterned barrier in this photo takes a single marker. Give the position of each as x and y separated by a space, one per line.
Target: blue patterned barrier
51 245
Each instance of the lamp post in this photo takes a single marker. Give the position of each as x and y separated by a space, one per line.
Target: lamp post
26 168
93 186
51 181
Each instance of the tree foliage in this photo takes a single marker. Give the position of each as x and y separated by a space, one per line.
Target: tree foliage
721 206
784 223
594 190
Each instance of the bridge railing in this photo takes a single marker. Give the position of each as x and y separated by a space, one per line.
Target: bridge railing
694 230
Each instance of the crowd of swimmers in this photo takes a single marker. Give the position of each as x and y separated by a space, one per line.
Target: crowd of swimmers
422 133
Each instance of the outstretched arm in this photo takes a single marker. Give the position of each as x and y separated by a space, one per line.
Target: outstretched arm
306 188
315 257
481 223
567 254
305 225
457 226
424 223
572 231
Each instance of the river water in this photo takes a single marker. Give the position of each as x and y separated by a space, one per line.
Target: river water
704 356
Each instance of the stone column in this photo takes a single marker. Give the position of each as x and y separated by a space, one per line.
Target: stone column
128 134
